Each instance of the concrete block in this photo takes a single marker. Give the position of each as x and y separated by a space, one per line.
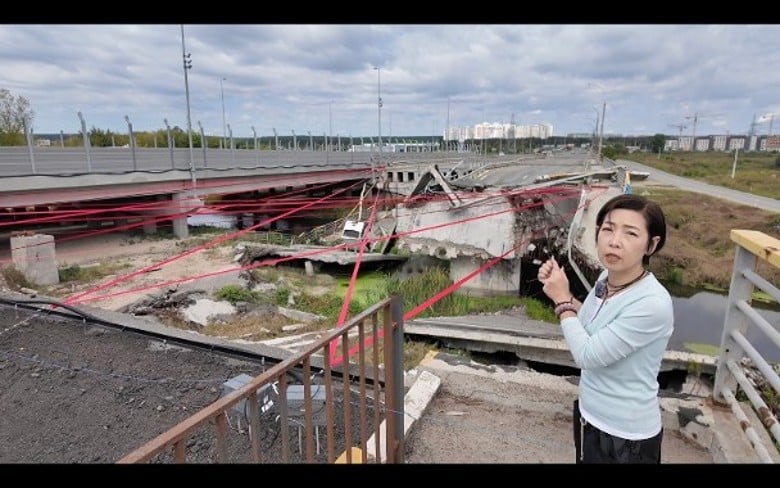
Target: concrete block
34 256
416 401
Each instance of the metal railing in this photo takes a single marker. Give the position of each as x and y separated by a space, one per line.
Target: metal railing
752 247
368 399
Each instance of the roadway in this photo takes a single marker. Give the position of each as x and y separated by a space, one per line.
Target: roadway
743 198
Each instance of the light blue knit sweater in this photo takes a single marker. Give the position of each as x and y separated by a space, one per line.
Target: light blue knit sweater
619 349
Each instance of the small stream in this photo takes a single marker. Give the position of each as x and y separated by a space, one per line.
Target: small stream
699 318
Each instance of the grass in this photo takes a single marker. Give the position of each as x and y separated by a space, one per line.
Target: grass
699 252
86 274
67 274
756 172
706 349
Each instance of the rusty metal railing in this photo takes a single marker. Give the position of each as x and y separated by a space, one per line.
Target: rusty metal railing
752 246
352 400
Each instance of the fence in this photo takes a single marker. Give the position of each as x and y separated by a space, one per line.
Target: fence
369 400
752 247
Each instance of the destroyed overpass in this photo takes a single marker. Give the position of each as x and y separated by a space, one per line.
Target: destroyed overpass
495 224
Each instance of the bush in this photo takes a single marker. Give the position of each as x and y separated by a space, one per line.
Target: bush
235 294
15 278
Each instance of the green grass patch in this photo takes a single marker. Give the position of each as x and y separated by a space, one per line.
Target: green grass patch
706 349
538 310
235 294
84 274
369 288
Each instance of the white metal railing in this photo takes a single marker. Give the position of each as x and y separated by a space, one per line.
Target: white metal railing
752 248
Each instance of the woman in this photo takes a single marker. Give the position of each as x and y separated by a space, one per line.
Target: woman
618 336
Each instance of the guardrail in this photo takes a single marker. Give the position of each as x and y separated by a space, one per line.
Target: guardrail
752 247
272 407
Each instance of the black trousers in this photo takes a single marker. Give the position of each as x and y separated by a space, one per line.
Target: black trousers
593 446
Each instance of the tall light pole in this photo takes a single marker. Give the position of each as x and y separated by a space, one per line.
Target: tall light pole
186 57
601 131
603 112
596 128
447 130
131 141
203 144
379 107
222 96
170 141
85 137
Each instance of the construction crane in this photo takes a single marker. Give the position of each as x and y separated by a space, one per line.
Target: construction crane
680 127
695 117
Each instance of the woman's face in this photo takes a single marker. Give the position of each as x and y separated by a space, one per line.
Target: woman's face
623 240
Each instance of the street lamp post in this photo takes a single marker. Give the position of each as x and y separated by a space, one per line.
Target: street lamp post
603 113
232 147
601 131
254 135
85 138
187 58
222 96
203 144
131 141
27 125
379 108
170 141
330 126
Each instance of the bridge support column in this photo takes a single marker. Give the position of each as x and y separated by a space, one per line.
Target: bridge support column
180 207
149 226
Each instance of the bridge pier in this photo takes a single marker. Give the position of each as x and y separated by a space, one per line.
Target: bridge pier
177 207
181 208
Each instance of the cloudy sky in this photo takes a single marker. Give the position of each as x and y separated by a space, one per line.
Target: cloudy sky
321 79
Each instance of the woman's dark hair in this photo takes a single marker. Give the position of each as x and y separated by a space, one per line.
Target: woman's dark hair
651 211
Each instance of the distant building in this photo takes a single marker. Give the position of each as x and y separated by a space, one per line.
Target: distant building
496 130
395 147
719 142
736 143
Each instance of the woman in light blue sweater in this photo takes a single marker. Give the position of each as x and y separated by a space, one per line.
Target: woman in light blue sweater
618 336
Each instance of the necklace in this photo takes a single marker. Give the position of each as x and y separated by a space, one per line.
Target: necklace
604 290
611 290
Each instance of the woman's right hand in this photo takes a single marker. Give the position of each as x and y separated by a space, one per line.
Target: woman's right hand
554 280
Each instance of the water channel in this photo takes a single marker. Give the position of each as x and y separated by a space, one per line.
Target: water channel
699 319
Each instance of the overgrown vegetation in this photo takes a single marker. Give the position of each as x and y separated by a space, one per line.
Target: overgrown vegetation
85 274
419 288
699 251
15 279
754 172
235 294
